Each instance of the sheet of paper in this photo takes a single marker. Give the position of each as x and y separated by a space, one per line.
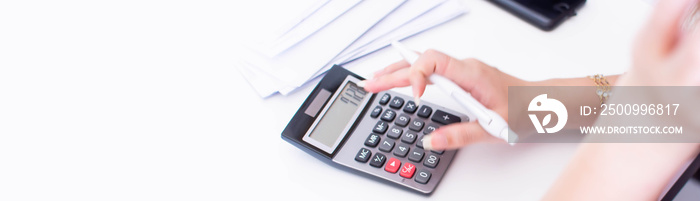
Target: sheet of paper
307 13
407 19
321 17
441 14
408 12
295 66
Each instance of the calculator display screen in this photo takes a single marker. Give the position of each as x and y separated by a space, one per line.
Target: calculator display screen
335 121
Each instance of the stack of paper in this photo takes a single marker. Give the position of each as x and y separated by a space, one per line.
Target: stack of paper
336 32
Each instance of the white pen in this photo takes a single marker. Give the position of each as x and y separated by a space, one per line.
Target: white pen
493 123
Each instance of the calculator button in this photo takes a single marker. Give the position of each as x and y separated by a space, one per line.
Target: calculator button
381 127
392 165
431 160
407 170
396 103
363 155
423 176
430 128
401 150
409 138
378 160
416 125
389 115
395 132
372 140
410 107
386 146
420 142
424 111
445 118
376 111
385 99
416 155
438 151
402 120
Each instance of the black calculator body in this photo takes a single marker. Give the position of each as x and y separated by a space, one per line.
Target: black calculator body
377 134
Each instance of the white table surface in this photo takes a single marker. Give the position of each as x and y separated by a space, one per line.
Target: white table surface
140 100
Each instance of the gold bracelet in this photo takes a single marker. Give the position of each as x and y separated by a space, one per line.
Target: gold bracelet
602 87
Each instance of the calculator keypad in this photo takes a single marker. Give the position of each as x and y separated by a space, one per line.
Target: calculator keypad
393 145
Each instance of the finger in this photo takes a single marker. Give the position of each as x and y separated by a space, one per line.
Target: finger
457 135
397 78
432 61
661 33
392 68
418 80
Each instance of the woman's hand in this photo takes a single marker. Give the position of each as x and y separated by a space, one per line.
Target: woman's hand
486 84
664 55
667 50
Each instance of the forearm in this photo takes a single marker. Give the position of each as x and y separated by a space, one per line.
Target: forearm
588 98
627 171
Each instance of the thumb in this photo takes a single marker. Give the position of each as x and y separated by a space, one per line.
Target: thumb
454 136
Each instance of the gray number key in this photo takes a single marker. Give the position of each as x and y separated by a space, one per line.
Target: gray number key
431 160
402 120
395 132
430 128
416 155
409 138
401 150
416 125
422 176
386 146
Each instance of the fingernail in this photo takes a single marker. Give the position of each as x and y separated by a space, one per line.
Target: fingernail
362 83
417 100
427 145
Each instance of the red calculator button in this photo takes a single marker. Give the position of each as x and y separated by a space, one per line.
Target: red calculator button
392 165
408 170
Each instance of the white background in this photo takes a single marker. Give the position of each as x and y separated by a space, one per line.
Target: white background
140 100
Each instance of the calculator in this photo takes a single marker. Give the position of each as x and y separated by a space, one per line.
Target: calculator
379 135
